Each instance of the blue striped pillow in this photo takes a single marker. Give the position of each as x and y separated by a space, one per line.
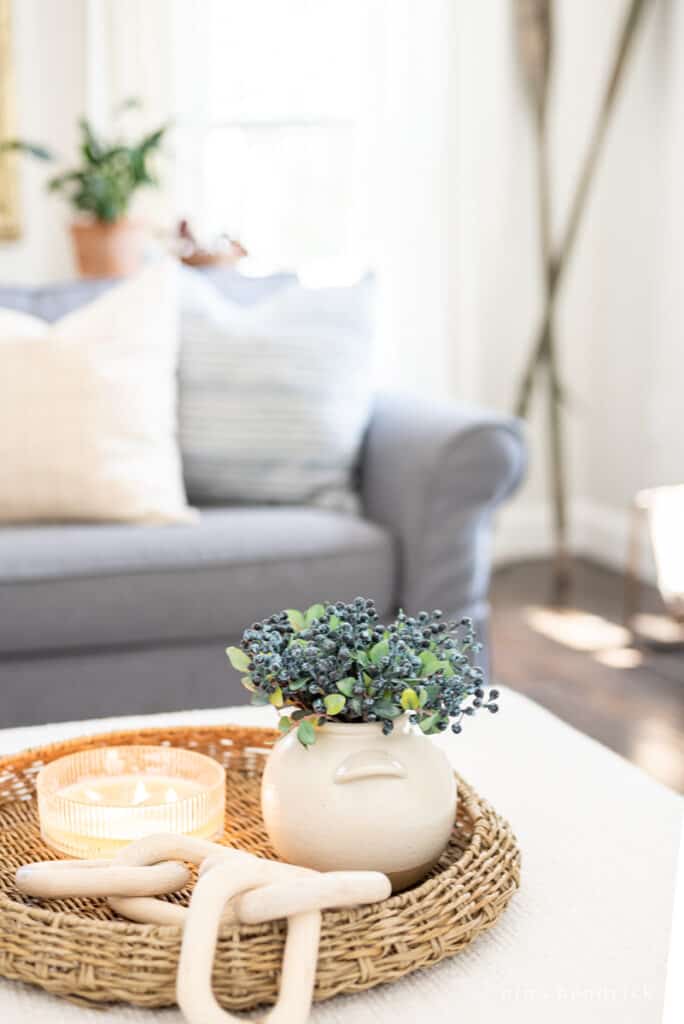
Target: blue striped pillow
274 397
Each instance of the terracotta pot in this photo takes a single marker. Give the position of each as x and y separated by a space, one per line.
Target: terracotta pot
357 800
107 250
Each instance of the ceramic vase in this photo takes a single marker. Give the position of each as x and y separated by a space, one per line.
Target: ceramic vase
361 801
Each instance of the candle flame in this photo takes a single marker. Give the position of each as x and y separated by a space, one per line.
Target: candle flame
140 794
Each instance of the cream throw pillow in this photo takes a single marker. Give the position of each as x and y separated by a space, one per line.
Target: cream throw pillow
88 409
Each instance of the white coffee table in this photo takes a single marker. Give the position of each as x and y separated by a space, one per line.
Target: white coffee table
584 940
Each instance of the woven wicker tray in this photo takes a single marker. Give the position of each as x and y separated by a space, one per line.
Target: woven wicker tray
80 949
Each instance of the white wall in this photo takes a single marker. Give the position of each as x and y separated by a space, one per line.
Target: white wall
49 49
620 317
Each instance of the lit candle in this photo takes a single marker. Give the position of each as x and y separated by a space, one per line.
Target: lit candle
130 790
93 802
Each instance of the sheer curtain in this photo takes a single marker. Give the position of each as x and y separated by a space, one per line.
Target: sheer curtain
318 132
277 104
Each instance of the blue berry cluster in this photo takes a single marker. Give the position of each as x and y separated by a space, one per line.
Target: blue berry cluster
337 661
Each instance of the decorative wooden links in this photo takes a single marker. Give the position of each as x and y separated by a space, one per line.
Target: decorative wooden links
193 986
56 879
232 885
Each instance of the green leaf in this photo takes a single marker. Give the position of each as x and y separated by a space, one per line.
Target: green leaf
422 696
334 703
429 724
299 714
433 691
60 180
295 618
29 148
153 140
248 684
284 724
361 657
346 686
430 663
410 700
91 147
354 707
334 621
296 684
379 651
239 659
306 733
386 709
276 698
312 613
259 699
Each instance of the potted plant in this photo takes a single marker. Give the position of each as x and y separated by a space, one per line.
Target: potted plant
106 242
354 784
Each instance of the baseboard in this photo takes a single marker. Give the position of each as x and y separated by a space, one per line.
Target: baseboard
522 530
596 531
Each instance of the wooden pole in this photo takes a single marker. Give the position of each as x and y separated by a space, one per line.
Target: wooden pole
559 263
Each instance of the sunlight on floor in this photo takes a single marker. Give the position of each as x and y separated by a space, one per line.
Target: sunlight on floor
657 749
606 641
658 629
619 657
576 629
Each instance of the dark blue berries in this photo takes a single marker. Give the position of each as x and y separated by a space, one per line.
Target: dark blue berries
420 664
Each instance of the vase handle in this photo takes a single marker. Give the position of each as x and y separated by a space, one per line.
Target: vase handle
369 764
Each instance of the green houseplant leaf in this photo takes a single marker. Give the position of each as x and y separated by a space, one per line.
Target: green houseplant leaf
379 651
28 148
410 700
430 724
259 699
296 619
306 733
334 703
314 612
346 686
430 663
108 174
386 709
238 658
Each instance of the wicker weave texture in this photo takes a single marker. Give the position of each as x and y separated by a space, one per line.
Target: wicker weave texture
80 949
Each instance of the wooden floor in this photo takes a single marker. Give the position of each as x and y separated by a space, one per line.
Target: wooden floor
581 664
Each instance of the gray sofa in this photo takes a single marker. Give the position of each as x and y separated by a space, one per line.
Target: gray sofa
112 619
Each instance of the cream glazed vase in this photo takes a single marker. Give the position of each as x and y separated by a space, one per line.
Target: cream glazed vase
357 800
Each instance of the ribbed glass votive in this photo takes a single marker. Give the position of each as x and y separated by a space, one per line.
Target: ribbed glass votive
94 801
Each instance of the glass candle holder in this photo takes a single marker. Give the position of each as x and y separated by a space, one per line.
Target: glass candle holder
93 802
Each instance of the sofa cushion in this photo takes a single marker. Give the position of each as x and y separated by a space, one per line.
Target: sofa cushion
88 409
53 301
71 587
274 399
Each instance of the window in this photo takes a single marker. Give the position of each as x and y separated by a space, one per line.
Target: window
277 103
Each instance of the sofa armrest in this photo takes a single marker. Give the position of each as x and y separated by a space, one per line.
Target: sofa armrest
433 473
